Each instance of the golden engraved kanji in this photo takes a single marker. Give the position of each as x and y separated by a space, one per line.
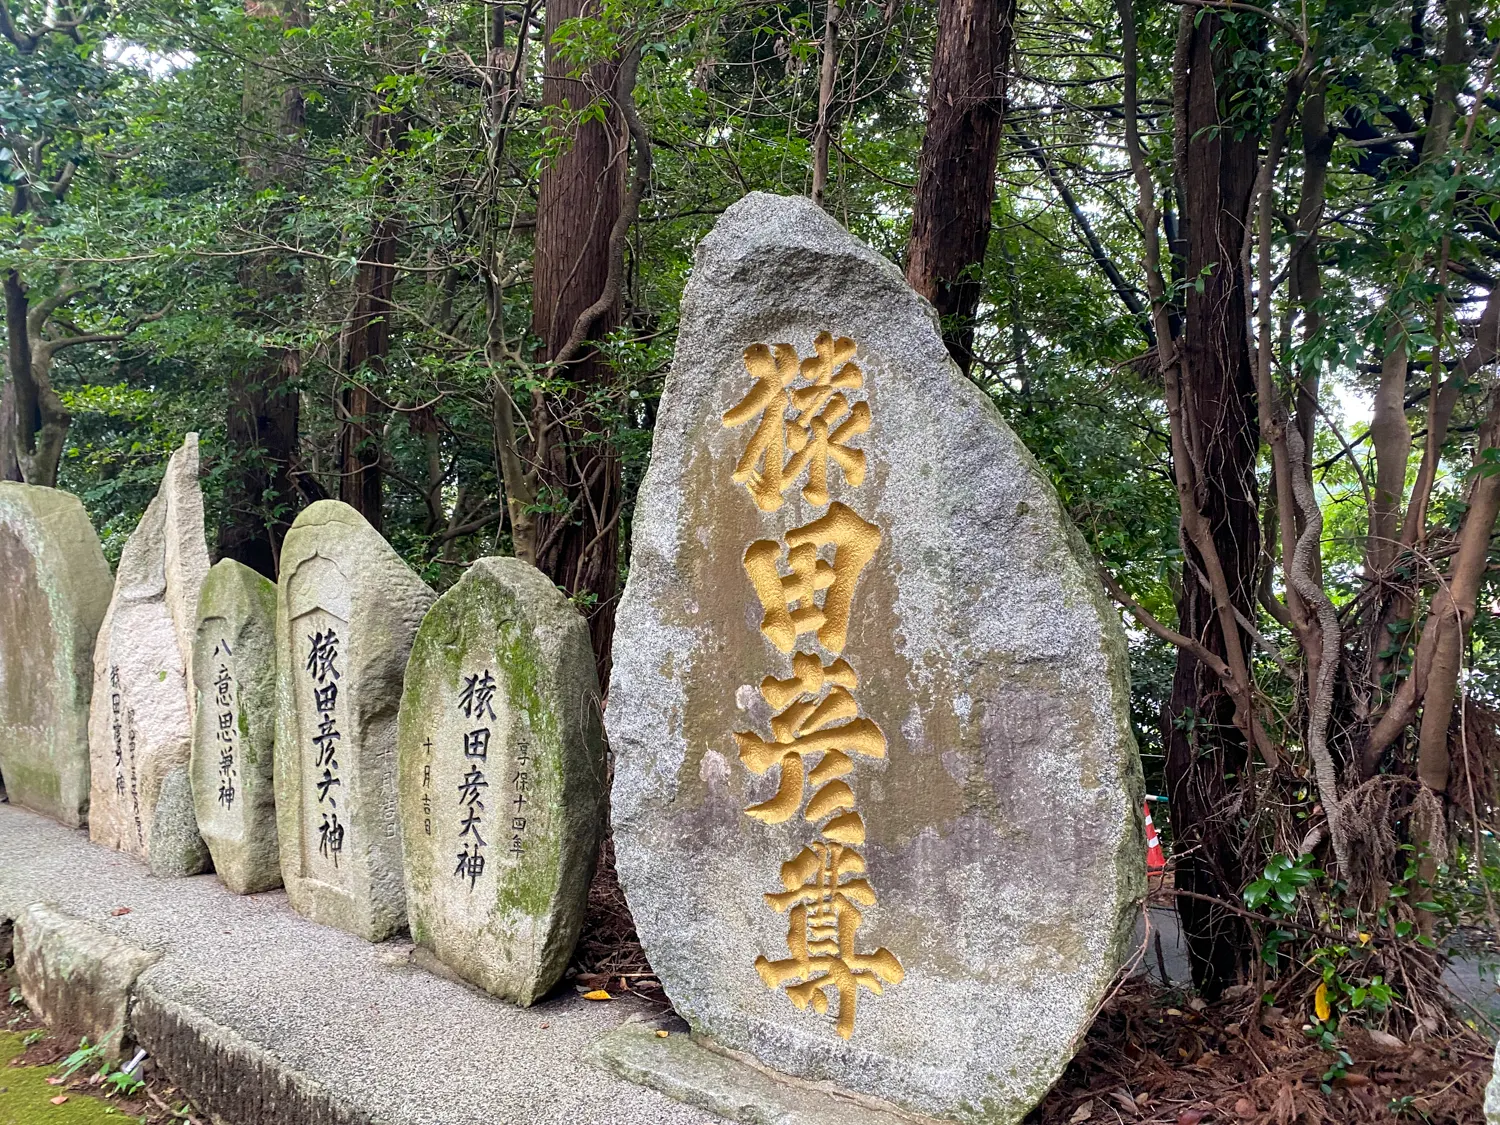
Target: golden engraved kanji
789 603
824 422
822 924
817 730
827 727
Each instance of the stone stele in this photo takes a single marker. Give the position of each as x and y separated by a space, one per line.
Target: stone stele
876 797
347 609
234 678
501 779
141 721
57 589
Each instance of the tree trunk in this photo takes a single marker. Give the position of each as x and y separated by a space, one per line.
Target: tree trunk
367 343
262 418
20 423
950 227
578 473
1205 747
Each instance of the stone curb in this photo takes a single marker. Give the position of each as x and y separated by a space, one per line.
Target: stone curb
233 1080
79 978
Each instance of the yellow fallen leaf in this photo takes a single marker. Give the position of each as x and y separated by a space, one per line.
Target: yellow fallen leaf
597 994
1320 1002
662 1034
1364 939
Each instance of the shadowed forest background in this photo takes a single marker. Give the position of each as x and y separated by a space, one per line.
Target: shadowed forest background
1228 269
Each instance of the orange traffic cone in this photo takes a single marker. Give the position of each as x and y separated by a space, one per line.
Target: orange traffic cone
1156 859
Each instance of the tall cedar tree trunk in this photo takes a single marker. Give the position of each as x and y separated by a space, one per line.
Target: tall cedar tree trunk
1205 748
16 414
578 472
367 343
262 419
950 227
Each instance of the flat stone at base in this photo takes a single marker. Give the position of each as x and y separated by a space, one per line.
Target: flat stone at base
701 1077
77 977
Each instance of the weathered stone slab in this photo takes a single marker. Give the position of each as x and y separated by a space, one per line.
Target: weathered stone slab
876 795
501 779
234 677
733 1088
76 976
57 589
140 724
347 609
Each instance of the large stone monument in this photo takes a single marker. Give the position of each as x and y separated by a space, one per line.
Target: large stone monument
57 589
501 779
347 609
876 795
234 678
140 725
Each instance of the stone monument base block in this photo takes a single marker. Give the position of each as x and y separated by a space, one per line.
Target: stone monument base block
732 1087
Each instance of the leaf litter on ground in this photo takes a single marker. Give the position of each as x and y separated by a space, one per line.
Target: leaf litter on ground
1147 1061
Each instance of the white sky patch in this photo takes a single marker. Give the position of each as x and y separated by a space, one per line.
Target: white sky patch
158 64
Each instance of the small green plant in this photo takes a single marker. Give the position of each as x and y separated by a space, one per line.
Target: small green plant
87 1054
118 1082
32 1038
1341 1064
16 999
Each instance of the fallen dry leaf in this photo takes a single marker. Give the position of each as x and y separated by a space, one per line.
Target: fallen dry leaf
119 910
1387 1040
1244 1108
1174 1012
1082 1113
1190 1117
662 1034
54 1080
1126 1101
60 1099
597 994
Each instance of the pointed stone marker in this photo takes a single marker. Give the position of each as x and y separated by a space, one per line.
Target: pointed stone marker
140 725
876 798
502 779
234 676
347 609
57 590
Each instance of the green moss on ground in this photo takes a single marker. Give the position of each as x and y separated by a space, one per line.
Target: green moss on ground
26 1099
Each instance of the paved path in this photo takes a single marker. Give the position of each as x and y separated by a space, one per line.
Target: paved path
326 1019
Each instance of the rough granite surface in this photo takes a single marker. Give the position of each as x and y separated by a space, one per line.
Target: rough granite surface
347 610
76 976
57 590
1492 1094
502 779
234 734
141 721
992 871
267 1018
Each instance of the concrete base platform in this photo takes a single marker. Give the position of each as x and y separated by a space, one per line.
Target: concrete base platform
729 1087
265 1018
